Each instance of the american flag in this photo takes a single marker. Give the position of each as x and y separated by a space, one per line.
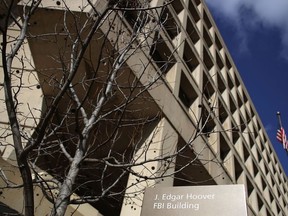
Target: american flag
281 137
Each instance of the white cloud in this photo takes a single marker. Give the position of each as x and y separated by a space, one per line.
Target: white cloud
230 8
249 14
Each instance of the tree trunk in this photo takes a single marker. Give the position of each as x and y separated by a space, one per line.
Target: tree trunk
28 188
63 198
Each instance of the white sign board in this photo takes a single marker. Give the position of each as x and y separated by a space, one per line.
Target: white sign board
224 200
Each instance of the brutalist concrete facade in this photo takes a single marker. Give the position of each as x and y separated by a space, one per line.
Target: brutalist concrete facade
200 78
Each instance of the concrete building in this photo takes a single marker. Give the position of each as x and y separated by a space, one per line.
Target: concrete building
201 92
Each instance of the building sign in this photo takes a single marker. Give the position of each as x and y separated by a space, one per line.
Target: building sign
224 200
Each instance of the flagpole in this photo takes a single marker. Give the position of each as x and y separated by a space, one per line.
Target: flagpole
285 145
279 119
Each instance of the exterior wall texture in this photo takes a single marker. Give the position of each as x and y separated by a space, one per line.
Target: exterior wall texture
202 78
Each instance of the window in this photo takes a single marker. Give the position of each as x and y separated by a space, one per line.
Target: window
169 23
136 18
239 100
187 94
221 85
260 202
251 141
227 62
218 43
162 55
232 105
255 169
189 57
192 32
230 83
207 59
238 169
224 148
245 153
264 185
197 2
250 187
235 134
242 125
222 113
237 82
194 12
207 88
177 5
207 37
207 20
219 61
208 124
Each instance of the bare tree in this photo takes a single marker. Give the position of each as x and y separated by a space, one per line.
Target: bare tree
94 65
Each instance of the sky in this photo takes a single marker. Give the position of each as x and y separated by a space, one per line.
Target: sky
256 34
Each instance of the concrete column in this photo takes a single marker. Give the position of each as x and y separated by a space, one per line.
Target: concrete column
161 143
